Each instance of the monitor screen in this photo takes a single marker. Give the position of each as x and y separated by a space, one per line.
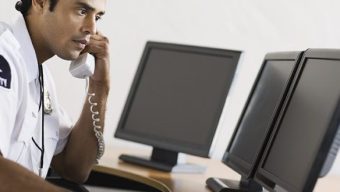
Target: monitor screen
307 125
177 97
250 135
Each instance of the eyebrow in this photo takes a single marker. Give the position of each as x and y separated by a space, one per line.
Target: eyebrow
89 7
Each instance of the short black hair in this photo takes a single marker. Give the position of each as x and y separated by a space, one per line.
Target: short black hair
24 5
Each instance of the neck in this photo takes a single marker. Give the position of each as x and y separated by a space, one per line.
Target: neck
42 51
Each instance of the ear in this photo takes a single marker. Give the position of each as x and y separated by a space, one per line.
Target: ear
39 5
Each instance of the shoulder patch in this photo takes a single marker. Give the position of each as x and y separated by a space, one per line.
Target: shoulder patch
5 73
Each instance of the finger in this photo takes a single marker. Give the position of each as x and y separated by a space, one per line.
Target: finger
98 49
92 48
99 43
98 32
96 44
99 37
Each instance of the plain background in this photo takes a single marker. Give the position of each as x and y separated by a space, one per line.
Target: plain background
253 26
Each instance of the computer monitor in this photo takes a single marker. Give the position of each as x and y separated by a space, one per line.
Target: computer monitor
251 133
305 139
176 101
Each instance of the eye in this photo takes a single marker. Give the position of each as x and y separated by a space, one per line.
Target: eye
82 11
98 17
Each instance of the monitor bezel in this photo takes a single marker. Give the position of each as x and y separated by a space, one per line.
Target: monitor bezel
269 180
173 145
237 164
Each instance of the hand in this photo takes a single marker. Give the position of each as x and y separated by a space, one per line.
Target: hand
99 48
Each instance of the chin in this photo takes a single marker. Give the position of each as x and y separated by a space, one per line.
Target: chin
69 56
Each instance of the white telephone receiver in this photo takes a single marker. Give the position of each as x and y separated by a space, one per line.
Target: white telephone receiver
83 66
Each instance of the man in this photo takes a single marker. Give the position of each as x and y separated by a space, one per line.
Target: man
30 141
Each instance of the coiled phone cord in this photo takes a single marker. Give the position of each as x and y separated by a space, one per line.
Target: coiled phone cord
96 124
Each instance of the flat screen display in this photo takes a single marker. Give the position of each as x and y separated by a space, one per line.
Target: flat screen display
178 96
304 125
255 122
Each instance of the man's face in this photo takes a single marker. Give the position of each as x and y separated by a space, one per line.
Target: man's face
67 29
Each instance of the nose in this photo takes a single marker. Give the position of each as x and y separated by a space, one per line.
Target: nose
89 25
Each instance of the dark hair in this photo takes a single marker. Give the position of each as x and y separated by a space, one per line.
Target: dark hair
24 5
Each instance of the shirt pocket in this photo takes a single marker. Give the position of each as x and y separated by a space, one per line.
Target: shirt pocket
21 147
30 123
51 137
30 153
51 131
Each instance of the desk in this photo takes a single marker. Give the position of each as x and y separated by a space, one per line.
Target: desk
182 182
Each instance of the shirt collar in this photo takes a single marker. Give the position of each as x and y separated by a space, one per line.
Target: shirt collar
26 47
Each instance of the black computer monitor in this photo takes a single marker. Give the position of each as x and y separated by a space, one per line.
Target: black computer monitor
251 133
305 138
176 101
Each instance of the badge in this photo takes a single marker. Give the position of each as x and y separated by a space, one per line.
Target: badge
5 73
47 103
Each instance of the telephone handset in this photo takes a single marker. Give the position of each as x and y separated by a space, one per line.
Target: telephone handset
83 66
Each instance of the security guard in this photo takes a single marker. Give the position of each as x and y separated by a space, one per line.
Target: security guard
35 132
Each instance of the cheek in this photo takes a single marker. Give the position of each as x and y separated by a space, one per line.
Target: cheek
56 41
60 36
54 32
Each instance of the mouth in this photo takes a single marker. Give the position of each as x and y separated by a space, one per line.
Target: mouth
81 43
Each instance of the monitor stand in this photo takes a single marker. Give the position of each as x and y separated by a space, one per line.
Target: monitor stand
225 185
164 160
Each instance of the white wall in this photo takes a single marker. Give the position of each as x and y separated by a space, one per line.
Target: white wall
254 26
